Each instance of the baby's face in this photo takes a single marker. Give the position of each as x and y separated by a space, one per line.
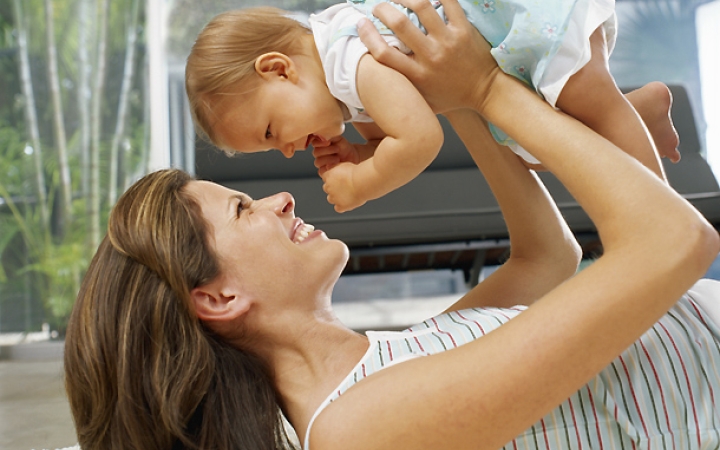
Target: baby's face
279 114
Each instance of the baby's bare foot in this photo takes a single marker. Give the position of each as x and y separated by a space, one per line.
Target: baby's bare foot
653 102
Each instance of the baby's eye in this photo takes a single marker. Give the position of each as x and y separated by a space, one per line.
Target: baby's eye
242 204
268 134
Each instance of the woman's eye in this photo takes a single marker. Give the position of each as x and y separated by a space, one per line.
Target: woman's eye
268 134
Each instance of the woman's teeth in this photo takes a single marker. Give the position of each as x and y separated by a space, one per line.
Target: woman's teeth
303 232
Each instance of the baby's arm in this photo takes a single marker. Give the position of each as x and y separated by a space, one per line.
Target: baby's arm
413 137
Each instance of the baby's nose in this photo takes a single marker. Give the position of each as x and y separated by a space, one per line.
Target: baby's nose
288 150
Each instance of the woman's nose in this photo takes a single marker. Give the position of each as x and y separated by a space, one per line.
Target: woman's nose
281 203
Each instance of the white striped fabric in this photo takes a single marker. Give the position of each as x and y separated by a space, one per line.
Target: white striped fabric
660 393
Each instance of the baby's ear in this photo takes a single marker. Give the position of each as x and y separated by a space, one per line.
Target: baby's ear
274 65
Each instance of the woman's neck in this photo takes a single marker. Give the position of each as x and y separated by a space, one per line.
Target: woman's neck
308 371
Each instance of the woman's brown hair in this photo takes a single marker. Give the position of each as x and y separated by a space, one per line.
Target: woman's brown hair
141 371
222 60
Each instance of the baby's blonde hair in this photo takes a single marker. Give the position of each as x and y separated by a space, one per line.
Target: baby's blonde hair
222 60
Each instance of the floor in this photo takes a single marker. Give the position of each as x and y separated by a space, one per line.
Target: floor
34 412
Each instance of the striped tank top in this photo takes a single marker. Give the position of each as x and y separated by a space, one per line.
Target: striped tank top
660 393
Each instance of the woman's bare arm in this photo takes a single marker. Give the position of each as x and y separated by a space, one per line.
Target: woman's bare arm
484 393
543 251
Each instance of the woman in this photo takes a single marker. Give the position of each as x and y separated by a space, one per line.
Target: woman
204 310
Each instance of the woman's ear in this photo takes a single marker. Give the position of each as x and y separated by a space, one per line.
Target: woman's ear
215 304
275 65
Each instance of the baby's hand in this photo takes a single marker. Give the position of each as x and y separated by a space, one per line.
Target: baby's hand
337 150
340 189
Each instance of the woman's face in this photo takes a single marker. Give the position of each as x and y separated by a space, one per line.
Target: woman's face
263 248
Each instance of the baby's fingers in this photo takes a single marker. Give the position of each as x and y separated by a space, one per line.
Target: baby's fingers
329 160
325 160
319 152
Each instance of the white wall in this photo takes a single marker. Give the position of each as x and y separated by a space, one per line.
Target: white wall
156 30
707 21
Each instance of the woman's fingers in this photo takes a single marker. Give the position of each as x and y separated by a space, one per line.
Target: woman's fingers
427 14
381 51
454 13
434 68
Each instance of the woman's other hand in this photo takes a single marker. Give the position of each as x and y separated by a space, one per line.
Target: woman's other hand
434 68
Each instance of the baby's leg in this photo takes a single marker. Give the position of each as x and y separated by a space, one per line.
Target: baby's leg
592 97
653 102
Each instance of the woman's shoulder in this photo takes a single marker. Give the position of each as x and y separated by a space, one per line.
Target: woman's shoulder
437 334
484 319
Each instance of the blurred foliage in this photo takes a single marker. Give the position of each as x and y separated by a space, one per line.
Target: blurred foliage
47 263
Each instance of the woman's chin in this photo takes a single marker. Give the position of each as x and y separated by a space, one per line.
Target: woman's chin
340 257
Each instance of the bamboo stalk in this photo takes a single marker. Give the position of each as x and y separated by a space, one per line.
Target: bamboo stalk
31 115
58 120
96 122
122 104
83 96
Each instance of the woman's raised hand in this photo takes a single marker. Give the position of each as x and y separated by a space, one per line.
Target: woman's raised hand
435 55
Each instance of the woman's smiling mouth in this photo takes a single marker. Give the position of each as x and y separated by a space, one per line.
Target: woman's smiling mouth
301 232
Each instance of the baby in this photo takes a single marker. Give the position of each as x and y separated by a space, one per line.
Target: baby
257 79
